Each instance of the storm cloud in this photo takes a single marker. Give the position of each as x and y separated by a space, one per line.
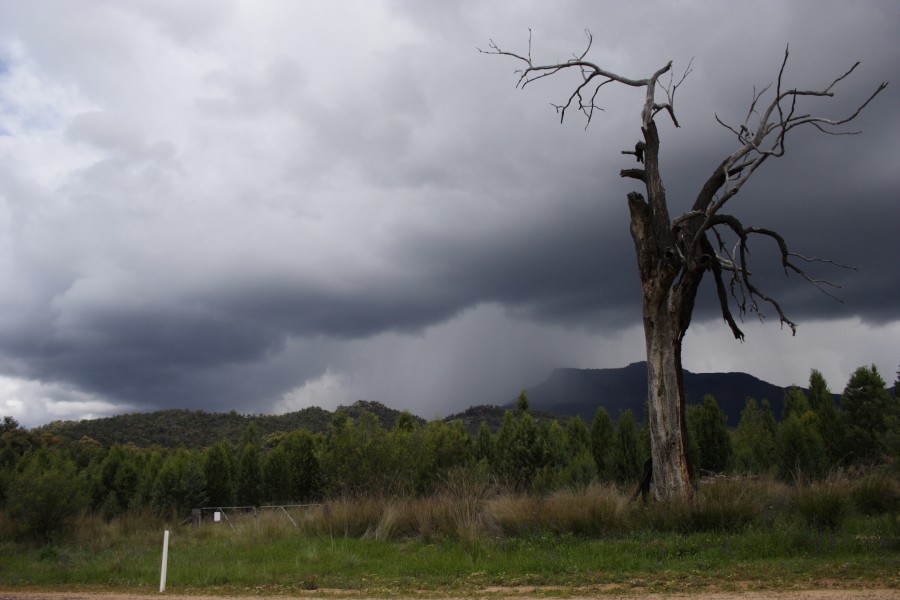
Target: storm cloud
264 206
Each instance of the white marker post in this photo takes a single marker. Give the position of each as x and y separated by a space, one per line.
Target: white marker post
165 563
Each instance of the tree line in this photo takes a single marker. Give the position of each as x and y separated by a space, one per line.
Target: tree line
45 480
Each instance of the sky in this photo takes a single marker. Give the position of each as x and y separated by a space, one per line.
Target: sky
264 206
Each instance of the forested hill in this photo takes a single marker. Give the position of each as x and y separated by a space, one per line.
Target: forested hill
199 429
580 391
565 393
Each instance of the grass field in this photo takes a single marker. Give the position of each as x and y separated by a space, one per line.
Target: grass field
760 537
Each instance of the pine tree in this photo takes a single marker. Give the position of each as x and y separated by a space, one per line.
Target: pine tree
830 421
601 442
301 449
249 479
218 467
517 450
577 435
552 458
795 402
484 444
710 443
276 477
800 449
754 439
626 456
866 403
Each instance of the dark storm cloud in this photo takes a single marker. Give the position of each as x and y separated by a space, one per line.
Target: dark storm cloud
259 207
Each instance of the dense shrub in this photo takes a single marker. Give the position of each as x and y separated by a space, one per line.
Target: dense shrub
45 497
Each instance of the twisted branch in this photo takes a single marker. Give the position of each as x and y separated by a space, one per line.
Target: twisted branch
761 135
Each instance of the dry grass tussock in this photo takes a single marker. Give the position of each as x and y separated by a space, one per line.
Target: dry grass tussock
472 509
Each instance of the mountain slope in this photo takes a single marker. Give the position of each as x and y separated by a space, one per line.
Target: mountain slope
176 428
565 393
581 391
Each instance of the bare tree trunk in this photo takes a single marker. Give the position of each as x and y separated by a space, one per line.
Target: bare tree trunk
666 407
669 283
672 255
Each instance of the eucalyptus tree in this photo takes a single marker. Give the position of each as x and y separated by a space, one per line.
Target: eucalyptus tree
674 254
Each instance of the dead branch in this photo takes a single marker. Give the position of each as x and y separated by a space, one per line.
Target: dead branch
766 138
774 110
639 174
673 255
716 268
746 294
593 78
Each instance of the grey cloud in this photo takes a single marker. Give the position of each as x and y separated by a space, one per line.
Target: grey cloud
266 220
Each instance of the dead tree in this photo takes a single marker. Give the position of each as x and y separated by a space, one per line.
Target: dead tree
674 254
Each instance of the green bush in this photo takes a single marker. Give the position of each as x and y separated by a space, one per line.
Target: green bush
45 497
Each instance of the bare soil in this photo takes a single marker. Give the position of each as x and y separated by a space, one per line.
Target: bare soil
501 594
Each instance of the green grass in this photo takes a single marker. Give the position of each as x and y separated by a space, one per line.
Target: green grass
754 534
246 562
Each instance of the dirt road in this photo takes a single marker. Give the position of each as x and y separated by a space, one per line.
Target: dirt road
831 594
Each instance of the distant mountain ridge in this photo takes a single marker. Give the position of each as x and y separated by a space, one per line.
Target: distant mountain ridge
580 392
565 393
175 428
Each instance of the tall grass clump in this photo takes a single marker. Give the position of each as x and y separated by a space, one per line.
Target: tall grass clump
137 522
433 516
94 533
664 517
349 516
514 514
876 494
729 505
463 496
823 505
7 528
271 525
398 520
595 511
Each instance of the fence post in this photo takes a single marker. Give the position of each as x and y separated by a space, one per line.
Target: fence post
165 563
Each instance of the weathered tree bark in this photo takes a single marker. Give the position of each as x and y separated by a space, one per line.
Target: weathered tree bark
667 304
668 286
666 409
673 255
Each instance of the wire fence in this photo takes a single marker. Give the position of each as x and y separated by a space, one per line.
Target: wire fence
228 514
